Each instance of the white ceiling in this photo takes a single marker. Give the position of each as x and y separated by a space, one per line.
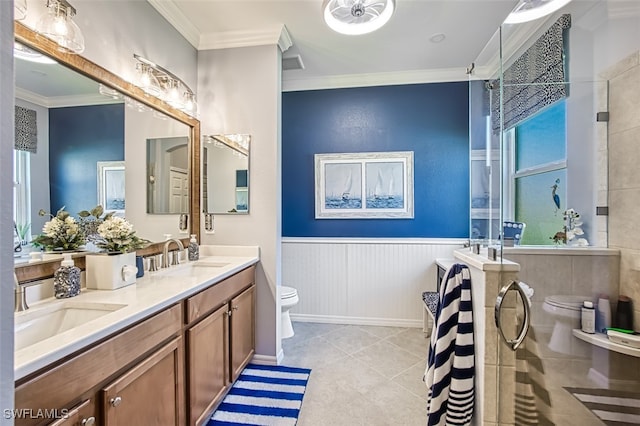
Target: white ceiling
399 52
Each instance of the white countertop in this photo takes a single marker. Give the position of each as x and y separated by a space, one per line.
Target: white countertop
150 294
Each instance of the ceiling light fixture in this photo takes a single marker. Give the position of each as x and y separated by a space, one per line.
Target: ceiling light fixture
163 84
21 51
19 9
57 24
355 17
530 10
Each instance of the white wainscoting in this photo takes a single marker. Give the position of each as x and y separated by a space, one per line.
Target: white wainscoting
362 281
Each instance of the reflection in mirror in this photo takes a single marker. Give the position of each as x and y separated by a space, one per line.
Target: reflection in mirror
168 175
225 176
74 126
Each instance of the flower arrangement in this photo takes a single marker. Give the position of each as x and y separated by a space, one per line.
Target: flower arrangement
572 229
117 235
90 220
62 232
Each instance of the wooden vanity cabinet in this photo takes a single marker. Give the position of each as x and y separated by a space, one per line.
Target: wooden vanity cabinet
67 384
220 341
142 375
242 334
150 393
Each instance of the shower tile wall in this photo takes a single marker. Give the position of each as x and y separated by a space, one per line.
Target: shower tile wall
547 372
624 174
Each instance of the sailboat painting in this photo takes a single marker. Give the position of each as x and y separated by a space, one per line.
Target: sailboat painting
364 185
384 185
343 187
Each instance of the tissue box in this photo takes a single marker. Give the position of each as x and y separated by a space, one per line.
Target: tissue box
110 271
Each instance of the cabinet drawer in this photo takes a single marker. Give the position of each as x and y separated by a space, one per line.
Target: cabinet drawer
217 295
64 383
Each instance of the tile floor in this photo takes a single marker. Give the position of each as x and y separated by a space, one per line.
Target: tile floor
361 375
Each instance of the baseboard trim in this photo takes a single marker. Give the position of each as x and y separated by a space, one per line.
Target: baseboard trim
335 319
267 359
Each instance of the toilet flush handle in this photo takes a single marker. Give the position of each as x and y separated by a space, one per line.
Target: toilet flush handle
515 343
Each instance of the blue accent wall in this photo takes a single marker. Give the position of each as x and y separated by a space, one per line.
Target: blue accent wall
79 137
429 119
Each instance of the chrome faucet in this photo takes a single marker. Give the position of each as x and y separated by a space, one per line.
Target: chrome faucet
165 251
21 294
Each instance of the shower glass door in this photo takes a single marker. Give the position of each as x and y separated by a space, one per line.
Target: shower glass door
554 131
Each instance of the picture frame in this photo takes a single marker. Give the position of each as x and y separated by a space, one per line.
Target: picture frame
111 186
373 185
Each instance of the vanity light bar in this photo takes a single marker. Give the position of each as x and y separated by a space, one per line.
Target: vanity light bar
226 140
170 85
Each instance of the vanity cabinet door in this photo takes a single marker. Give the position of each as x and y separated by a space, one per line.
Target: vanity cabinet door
242 334
208 363
150 393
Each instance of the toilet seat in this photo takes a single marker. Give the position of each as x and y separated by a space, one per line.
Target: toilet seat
288 292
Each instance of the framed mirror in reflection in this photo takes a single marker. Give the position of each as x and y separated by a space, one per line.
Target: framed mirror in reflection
80 142
225 173
168 175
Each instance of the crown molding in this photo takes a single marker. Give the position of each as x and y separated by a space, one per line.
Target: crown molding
373 79
64 101
284 41
178 20
230 39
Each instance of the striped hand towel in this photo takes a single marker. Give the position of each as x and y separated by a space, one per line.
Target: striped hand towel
451 366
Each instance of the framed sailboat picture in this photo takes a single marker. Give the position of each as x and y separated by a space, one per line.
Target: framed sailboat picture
364 185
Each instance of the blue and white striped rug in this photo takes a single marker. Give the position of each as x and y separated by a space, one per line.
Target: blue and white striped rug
263 395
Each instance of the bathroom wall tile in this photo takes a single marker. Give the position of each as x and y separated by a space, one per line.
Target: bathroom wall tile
603 239
624 90
602 170
602 198
621 66
491 338
549 275
602 135
593 275
601 223
491 393
624 154
506 397
623 229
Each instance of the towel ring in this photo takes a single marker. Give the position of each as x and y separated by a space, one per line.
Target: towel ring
515 343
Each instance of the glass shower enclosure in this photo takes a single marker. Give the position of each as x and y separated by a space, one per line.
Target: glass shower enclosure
554 108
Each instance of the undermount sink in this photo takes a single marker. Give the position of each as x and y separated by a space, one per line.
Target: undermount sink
38 324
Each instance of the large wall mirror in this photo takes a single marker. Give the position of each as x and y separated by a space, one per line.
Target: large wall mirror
92 131
225 173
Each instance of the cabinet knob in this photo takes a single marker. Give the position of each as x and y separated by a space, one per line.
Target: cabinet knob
235 308
228 313
114 402
90 421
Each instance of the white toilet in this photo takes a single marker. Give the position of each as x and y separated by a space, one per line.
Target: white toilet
288 299
566 311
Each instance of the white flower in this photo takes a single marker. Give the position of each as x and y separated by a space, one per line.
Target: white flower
118 235
581 242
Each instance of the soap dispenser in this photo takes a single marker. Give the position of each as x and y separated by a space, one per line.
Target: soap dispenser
194 250
66 280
